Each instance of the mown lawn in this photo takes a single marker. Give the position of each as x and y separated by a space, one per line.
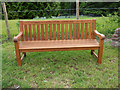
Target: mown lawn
60 69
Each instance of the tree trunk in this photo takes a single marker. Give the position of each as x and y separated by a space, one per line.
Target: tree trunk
6 19
77 9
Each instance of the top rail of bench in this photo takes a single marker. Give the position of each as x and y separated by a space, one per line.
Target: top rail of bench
57 21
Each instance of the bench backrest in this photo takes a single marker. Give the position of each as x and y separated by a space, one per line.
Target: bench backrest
57 29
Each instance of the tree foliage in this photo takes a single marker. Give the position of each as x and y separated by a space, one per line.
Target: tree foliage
29 10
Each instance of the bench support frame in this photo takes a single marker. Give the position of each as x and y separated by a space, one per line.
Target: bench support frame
18 54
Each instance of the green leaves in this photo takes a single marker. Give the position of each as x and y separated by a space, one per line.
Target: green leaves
29 10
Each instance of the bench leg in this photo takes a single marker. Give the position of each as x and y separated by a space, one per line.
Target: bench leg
17 54
18 59
100 52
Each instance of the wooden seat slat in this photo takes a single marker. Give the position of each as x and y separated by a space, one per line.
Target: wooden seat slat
86 30
38 31
58 44
66 31
78 31
58 31
26 33
82 30
70 31
34 31
93 29
30 32
21 29
50 31
89 31
42 31
54 31
62 31
46 31
74 31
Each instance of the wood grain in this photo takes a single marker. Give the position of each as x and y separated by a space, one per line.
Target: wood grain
58 31
30 32
94 28
54 31
70 31
48 42
86 30
50 31
42 31
82 30
74 31
89 30
26 33
78 31
57 21
38 31
66 31
34 31
21 29
46 31
62 31
58 44
17 54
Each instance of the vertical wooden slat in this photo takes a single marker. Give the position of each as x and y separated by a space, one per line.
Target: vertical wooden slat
34 31
46 31
30 32
78 31
86 29
66 31
58 31
42 31
70 31
21 29
50 31
62 31
54 31
89 30
81 30
26 32
74 31
38 31
94 28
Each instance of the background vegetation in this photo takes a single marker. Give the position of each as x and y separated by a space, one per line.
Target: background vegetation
29 10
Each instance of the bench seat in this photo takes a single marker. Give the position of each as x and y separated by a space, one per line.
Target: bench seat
58 44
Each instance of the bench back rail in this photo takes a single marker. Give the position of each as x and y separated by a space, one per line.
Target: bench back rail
57 29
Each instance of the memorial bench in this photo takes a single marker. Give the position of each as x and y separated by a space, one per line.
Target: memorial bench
58 35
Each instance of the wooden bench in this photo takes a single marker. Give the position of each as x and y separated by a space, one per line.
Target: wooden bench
58 35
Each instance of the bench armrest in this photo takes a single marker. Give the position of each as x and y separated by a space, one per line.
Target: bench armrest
101 36
16 38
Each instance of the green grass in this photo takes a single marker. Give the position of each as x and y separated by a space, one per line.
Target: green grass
104 25
60 69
